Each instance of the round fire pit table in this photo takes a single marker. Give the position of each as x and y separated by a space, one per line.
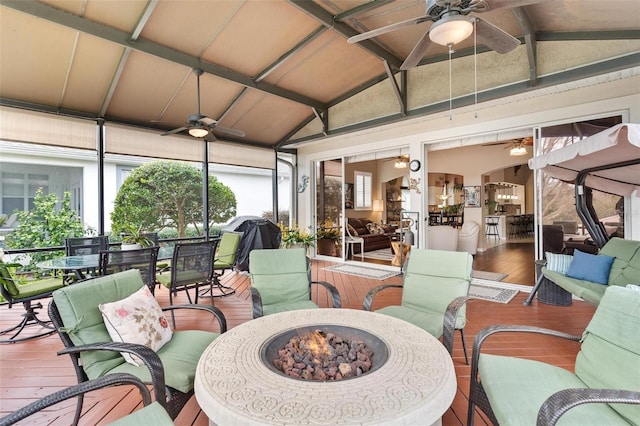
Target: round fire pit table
415 385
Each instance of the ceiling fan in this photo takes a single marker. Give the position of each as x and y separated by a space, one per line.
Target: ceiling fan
199 125
517 146
451 25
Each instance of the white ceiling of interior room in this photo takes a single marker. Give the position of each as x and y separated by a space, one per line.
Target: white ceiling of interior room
277 69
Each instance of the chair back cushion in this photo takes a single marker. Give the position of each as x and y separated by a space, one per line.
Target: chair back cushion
434 278
280 275
83 322
226 255
626 266
610 353
7 280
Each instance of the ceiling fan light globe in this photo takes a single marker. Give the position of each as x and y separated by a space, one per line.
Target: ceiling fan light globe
452 30
518 150
198 132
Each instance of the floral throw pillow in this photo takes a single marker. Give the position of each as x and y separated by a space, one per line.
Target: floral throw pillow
136 319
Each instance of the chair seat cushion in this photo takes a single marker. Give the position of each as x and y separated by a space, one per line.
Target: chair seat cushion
152 414
38 287
516 389
432 322
179 358
287 306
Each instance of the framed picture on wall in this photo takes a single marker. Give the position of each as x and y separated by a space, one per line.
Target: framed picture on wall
472 196
348 195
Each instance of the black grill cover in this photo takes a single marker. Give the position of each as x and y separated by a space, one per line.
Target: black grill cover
257 233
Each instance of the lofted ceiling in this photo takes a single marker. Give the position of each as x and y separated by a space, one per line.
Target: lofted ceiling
271 68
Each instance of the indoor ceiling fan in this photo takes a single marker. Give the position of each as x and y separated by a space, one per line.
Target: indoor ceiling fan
451 25
516 146
199 125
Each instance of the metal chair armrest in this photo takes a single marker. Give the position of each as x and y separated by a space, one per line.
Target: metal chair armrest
562 401
335 296
256 303
147 355
212 309
368 298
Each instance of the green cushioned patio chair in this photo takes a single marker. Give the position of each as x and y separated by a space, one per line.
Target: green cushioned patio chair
224 260
153 413
281 281
75 313
603 390
434 293
27 293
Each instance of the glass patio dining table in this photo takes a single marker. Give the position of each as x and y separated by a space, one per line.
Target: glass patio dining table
79 264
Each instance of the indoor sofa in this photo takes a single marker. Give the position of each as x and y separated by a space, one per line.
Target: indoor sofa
624 270
372 240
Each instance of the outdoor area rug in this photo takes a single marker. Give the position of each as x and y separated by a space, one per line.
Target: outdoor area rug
491 276
486 290
362 271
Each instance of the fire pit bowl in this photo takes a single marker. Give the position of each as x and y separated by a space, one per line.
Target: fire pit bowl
269 350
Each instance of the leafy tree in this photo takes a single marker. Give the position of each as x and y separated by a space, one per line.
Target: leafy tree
168 194
45 225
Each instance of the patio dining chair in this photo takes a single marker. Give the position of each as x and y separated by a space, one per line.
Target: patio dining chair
281 281
191 268
29 294
434 294
81 313
152 413
112 261
82 246
224 260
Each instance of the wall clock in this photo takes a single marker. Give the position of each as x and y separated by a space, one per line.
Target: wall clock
414 165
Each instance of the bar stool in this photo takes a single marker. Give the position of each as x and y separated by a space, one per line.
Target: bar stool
491 227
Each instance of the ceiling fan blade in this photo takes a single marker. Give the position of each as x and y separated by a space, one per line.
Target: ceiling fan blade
178 130
495 38
417 53
388 29
207 121
229 131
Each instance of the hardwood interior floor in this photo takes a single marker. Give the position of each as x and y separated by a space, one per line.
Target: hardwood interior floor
31 370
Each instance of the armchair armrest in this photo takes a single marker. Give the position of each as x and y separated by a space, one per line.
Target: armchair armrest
147 355
212 309
449 322
256 302
562 401
335 296
76 390
368 298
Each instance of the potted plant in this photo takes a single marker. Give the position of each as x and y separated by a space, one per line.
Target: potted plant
133 238
328 237
296 237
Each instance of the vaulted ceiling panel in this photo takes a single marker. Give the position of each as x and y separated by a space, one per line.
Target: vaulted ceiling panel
326 68
94 64
145 88
266 118
278 30
189 26
580 15
34 64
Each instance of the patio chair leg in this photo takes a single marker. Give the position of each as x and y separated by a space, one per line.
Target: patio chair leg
76 417
30 317
221 290
533 292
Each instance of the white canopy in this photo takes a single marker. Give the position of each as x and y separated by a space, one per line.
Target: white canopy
618 144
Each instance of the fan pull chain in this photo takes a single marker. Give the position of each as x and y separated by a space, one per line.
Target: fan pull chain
475 67
450 92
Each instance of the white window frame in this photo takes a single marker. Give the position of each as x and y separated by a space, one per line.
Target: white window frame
362 190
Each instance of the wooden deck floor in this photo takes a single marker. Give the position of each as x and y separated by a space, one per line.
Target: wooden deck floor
32 369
